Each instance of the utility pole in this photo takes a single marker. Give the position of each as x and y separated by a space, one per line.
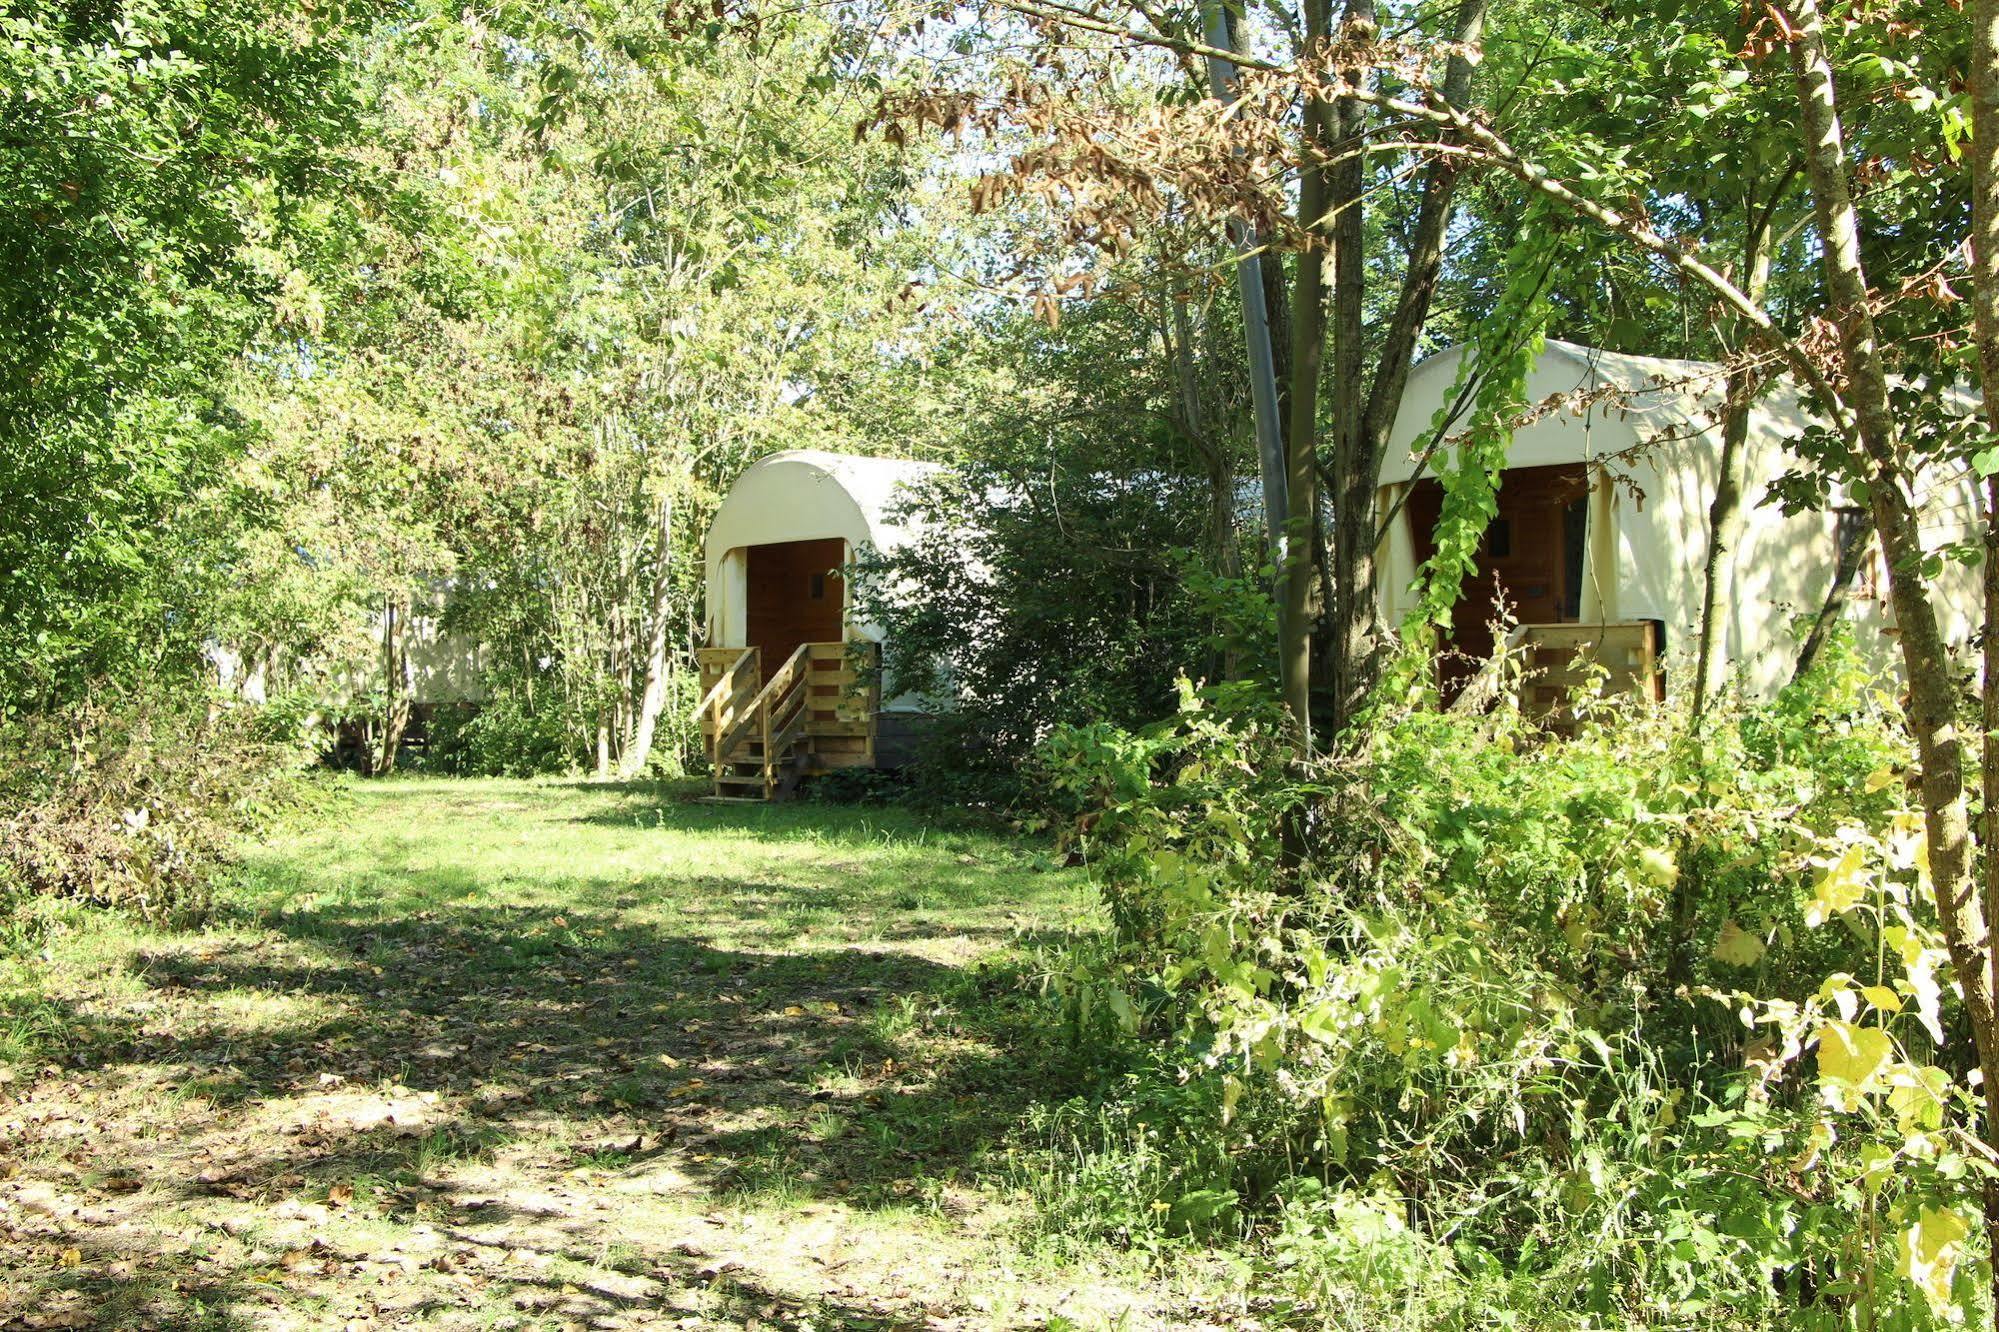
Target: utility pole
1255 318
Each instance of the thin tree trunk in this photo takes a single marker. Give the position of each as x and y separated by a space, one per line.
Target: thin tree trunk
1426 246
1931 708
1846 568
1260 285
1362 425
395 684
1308 342
1350 598
1983 155
1989 792
653 697
1724 515
1178 340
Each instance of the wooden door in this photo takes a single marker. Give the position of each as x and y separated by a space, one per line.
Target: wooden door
795 595
1534 551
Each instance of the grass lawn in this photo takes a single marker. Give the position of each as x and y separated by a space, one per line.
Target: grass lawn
553 1055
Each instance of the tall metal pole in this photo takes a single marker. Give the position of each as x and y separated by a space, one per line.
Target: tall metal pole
1255 316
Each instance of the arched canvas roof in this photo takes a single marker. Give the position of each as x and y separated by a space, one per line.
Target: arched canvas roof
809 494
1638 399
1655 425
802 495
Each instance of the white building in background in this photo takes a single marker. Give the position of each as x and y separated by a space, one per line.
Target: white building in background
789 523
1603 516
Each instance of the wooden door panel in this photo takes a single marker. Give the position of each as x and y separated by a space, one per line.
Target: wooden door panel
795 595
1532 550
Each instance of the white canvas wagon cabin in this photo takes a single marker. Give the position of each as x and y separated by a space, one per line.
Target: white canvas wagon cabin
1602 530
785 676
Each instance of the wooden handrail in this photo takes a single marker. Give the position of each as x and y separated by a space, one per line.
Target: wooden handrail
790 663
722 688
757 712
778 718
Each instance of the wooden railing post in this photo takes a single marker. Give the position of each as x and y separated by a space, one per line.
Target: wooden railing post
763 721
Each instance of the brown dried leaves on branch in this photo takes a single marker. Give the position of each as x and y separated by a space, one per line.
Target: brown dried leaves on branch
1110 163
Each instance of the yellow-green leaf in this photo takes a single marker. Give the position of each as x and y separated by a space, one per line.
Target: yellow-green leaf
1931 1246
1321 1023
1122 1008
1736 946
1882 998
1851 1060
1659 866
1916 1097
1844 884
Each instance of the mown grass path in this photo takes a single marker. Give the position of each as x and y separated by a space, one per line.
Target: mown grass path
540 1055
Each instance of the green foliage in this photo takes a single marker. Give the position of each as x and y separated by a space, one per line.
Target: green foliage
1071 596
505 738
1532 1027
1493 377
170 178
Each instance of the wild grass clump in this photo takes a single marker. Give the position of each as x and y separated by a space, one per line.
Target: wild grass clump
1645 1025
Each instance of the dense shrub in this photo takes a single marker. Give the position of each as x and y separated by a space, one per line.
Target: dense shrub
502 737
1636 1027
1023 602
518 731
132 802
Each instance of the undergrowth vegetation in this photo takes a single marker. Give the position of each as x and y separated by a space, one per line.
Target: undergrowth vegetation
1641 1026
133 802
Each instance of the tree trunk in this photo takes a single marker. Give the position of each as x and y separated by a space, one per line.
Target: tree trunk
1256 279
395 683
653 697
1724 515
1301 428
1351 598
1852 552
1983 155
1989 793
1362 427
1931 707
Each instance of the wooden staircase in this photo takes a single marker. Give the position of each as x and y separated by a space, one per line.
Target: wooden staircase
754 727
765 734
1619 657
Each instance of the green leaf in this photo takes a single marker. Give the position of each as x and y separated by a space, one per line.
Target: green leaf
1851 1061
1929 1249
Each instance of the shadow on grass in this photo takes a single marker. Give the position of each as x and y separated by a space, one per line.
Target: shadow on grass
591 1028
688 803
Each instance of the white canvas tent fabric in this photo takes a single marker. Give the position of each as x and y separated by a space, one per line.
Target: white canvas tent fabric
802 495
1657 434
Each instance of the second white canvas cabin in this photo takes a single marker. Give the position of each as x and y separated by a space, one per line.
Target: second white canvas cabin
784 676
1602 529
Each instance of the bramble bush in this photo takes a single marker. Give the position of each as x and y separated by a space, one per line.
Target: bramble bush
133 801
1637 1027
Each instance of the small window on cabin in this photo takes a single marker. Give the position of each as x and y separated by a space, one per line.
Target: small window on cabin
818 587
1499 539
